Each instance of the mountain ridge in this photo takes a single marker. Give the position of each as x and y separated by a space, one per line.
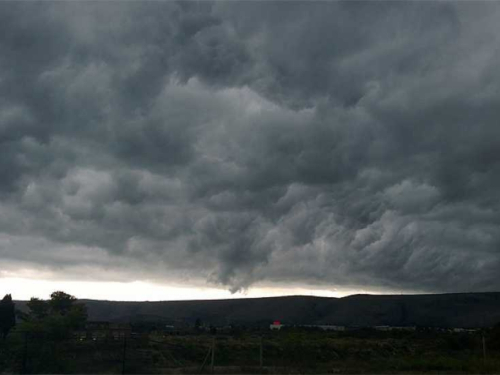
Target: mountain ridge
469 309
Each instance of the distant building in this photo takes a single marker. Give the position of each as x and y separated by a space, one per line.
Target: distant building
226 328
98 330
324 327
391 328
331 328
276 325
463 330
409 328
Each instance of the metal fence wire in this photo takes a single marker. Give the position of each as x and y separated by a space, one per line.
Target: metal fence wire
26 353
251 352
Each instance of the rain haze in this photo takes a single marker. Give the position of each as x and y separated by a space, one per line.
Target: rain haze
178 150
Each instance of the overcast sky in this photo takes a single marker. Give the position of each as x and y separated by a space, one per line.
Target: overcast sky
240 145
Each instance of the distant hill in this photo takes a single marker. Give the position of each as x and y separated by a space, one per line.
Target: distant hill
438 310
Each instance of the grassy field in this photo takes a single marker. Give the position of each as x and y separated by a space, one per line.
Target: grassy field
287 351
362 352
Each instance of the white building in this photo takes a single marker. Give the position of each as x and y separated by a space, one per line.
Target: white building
276 325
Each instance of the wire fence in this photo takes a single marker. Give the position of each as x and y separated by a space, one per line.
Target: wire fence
25 353
292 352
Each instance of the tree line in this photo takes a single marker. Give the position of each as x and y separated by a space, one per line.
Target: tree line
55 318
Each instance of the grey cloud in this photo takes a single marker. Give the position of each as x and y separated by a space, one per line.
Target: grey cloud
342 46
342 143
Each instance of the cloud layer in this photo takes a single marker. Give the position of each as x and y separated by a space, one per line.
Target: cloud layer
324 143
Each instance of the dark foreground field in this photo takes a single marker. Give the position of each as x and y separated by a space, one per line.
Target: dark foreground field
288 351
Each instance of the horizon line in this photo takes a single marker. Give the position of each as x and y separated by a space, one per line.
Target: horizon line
282 296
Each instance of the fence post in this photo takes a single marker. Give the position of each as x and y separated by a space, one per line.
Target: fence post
124 357
261 354
484 349
213 355
205 360
24 369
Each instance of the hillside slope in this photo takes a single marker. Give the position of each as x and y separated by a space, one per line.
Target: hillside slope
439 310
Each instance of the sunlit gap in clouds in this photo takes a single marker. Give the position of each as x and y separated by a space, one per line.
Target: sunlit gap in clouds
25 288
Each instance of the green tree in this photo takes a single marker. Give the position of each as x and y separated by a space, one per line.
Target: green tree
57 317
61 303
47 326
76 317
38 309
7 315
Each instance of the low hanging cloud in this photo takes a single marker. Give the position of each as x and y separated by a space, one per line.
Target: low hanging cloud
335 143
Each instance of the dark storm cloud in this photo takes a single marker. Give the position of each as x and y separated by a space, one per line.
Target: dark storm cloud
337 143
